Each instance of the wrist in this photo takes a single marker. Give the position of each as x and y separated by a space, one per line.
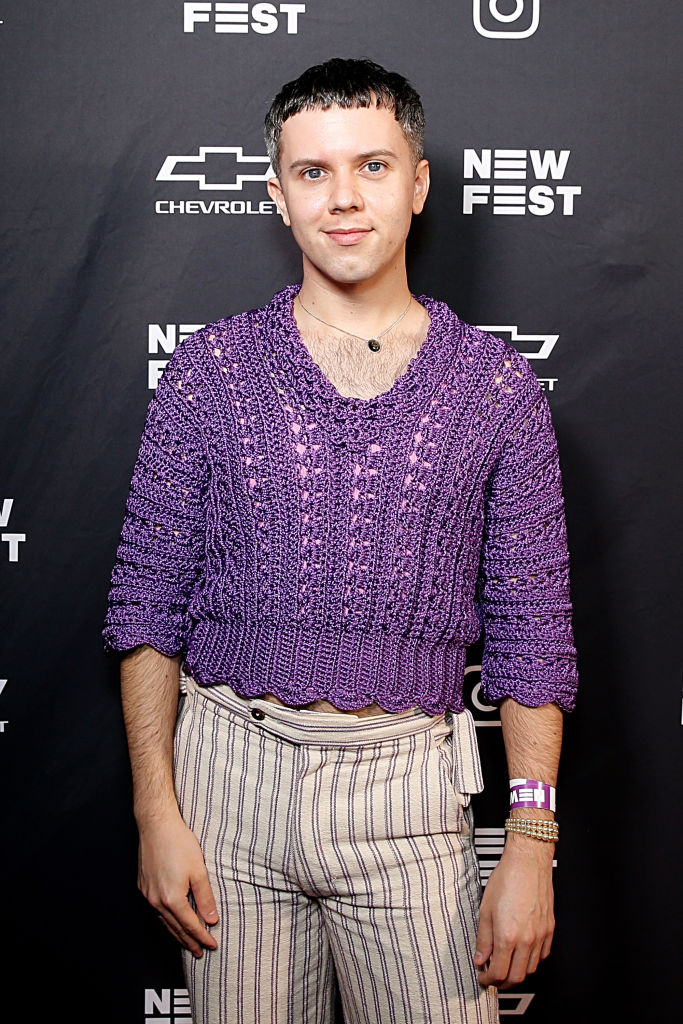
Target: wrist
539 813
160 812
527 850
532 813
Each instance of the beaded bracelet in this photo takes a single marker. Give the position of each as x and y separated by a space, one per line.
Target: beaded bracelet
537 828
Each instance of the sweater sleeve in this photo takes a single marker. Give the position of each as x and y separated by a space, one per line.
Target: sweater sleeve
523 592
160 554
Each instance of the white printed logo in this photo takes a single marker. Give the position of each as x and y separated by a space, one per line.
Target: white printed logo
235 180
13 540
3 684
240 18
518 165
534 346
160 1005
488 845
217 169
162 338
169 1006
518 23
520 1007
475 702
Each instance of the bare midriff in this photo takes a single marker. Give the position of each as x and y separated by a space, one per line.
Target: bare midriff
324 705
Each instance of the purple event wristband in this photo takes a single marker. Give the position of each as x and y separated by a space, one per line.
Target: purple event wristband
531 793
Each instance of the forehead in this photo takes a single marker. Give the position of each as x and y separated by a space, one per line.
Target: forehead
340 132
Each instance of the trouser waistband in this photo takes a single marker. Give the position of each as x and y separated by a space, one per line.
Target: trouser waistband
319 727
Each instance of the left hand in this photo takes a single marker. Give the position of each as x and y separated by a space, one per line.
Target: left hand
516 921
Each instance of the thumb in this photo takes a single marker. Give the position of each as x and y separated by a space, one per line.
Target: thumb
484 941
203 898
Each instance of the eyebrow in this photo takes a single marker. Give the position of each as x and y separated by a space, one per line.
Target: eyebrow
311 162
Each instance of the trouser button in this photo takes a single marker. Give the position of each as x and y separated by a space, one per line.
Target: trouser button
258 713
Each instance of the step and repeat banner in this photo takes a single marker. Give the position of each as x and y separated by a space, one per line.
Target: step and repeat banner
135 211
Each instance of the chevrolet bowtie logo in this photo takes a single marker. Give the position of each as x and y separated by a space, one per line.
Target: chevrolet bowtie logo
543 343
237 172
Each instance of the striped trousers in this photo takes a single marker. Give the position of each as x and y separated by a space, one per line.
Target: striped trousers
340 852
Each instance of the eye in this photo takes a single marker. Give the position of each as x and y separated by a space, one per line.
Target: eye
313 173
375 166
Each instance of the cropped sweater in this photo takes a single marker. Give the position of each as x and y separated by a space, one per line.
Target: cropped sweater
287 539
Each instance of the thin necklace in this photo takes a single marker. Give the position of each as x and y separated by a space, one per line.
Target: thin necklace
372 343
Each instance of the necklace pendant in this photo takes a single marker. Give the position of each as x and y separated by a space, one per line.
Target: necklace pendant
374 345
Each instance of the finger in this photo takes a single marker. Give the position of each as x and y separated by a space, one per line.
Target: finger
183 923
204 899
518 968
534 957
545 948
184 940
484 946
190 925
499 963
172 929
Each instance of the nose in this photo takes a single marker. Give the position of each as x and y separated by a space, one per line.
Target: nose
345 193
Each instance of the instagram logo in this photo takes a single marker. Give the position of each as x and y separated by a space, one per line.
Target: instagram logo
517 19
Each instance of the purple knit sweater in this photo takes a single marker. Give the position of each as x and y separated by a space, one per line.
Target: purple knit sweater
290 540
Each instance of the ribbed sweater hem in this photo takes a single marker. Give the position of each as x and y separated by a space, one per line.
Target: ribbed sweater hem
350 669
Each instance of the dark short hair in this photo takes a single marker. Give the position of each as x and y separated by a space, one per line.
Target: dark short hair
347 83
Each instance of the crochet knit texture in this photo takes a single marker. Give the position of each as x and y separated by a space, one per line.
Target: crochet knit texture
291 540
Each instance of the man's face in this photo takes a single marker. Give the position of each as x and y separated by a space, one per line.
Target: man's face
348 188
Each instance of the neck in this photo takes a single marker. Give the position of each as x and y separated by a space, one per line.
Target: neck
364 307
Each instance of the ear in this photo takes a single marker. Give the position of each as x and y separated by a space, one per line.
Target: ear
421 186
277 195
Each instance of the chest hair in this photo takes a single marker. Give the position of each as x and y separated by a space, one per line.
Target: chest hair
354 370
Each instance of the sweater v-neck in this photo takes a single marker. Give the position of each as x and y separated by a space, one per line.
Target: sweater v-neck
297 366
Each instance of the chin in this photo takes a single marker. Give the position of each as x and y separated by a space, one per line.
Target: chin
350 274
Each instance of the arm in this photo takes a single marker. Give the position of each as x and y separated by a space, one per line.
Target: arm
159 561
170 864
516 920
529 665
160 558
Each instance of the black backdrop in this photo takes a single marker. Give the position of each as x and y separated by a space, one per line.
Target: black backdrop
111 251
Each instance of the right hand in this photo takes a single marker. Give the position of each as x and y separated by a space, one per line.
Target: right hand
170 866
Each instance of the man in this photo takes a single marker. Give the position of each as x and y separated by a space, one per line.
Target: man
333 495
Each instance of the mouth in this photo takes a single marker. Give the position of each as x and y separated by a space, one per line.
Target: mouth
348 236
